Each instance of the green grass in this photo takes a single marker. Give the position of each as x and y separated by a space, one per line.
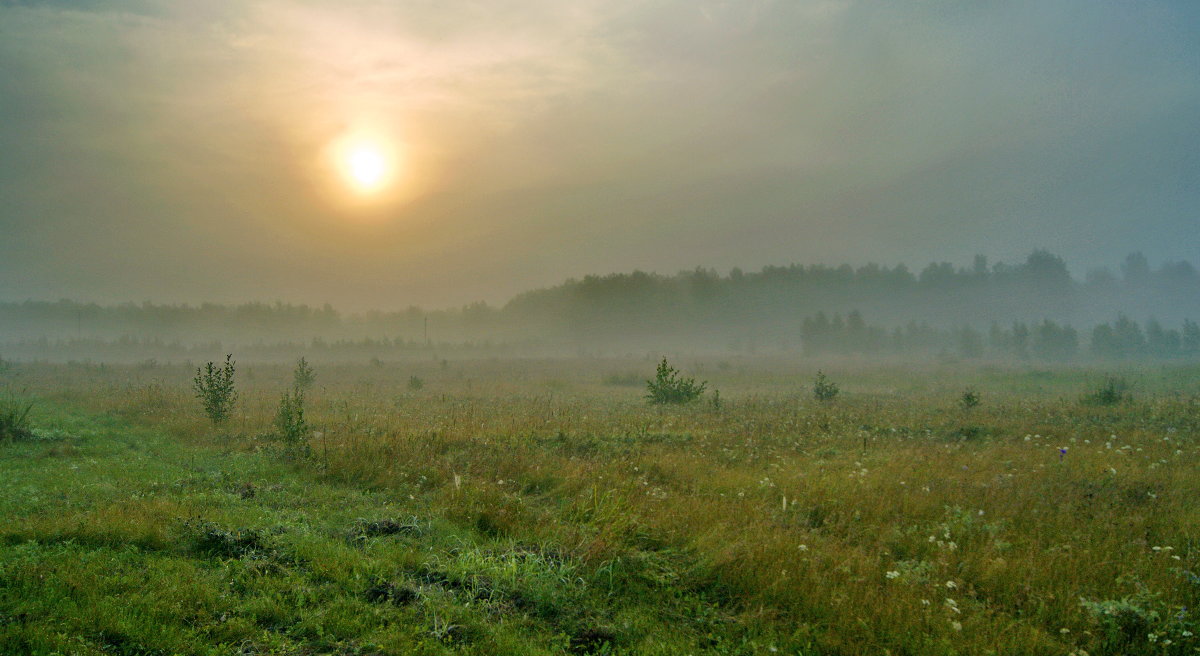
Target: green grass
488 513
14 418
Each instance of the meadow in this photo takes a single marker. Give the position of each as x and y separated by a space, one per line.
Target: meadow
503 506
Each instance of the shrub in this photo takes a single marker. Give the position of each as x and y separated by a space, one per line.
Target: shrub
823 388
289 420
669 387
415 383
1113 391
214 387
969 399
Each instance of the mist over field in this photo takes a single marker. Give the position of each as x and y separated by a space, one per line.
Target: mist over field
1033 309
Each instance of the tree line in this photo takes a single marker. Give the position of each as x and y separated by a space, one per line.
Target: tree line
702 309
1045 340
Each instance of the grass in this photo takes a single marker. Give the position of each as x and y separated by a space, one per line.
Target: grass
14 418
490 512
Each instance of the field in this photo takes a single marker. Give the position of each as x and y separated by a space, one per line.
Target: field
544 507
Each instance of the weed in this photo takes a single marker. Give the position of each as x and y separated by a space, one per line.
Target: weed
215 389
669 387
446 631
592 640
972 432
969 399
416 383
1142 624
364 529
392 593
211 540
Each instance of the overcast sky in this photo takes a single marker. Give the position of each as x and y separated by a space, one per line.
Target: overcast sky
181 151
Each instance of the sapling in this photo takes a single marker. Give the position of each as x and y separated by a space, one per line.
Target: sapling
215 389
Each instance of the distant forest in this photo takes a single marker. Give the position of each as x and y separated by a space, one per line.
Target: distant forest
1034 309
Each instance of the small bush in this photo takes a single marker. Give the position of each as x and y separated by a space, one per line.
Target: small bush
416 383
823 388
289 420
669 387
214 387
969 399
1115 390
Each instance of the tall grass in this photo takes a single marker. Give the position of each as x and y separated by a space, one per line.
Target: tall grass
14 418
888 522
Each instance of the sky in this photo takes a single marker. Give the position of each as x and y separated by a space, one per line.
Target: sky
153 150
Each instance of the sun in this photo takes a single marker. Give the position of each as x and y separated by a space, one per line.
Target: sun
367 171
366 167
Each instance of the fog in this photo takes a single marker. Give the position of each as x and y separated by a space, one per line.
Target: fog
1033 310
178 153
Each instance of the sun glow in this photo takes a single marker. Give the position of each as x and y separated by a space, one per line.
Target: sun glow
366 166
368 172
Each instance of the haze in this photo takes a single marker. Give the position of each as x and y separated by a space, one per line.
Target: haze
178 152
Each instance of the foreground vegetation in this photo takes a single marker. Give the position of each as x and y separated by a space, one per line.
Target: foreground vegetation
521 507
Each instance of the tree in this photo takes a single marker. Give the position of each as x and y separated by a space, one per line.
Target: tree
1190 340
1135 268
1054 342
303 377
970 343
